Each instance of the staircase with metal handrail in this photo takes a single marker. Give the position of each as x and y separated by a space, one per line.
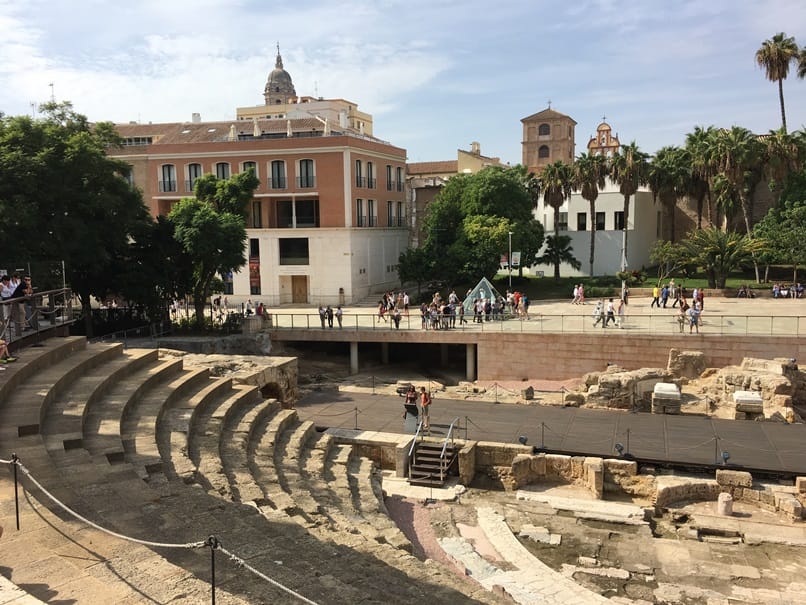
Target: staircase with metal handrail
430 463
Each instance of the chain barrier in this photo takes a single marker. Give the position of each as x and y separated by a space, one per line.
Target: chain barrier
352 411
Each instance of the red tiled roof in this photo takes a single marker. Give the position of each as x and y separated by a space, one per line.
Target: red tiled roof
444 167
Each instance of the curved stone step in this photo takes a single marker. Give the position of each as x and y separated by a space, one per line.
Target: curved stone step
23 410
288 452
367 495
263 468
139 421
206 432
63 418
103 418
234 448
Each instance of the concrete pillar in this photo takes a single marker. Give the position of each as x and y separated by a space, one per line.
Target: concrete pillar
724 505
443 354
471 362
385 353
354 357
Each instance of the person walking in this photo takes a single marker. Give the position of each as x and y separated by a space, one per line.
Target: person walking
611 313
655 297
339 314
425 408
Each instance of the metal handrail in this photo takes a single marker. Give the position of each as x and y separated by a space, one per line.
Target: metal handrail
711 324
43 306
443 468
414 441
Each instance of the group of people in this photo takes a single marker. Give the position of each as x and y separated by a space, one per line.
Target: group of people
13 287
662 294
787 291
606 313
326 315
423 401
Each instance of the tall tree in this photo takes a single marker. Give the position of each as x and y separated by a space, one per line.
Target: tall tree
629 169
775 57
668 177
784 230
590 172
556 182
784 154
211 228
63 198
699 147
558 250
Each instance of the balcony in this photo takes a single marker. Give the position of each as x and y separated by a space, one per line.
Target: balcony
190 185
366 221
371 183
400 185
390 185
306 182
360 181
167 186
396 221
278 183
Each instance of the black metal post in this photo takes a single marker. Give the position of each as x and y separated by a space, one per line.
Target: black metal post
542 435
212 542
373 384
14 460
356 417
628 441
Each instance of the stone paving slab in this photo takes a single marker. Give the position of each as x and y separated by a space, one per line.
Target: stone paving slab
588 509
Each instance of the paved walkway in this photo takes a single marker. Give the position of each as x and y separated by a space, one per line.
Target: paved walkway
761 316
687 440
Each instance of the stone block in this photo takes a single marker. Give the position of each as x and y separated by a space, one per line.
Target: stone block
747 397
621 468
557 464
666 390
734 478
538 465
800 485
724 505
750 408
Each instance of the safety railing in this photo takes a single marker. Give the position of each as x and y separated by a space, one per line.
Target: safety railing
738 325
41 311
444 463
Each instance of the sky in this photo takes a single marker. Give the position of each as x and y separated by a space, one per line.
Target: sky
435 74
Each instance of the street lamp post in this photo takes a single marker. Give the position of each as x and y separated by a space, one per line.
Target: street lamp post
509 261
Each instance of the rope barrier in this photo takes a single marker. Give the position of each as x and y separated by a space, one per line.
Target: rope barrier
241 563
353 411
210 542
189 545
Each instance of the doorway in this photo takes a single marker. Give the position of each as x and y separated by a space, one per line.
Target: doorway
299 289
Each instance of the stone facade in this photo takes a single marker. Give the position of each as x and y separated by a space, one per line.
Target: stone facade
548 137
619 388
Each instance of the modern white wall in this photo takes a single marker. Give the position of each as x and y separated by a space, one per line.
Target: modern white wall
642 231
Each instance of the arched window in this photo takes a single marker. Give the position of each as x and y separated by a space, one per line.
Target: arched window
543 129
543 151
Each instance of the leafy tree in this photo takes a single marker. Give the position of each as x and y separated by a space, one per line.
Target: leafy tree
558 250
62 197
784 230
629 169
467 226
718 252
416 265
775 57
590 172
211 228
668 257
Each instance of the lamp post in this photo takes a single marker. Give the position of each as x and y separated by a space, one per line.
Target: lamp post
509 261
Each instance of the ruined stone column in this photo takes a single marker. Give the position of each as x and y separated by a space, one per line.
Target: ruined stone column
724 505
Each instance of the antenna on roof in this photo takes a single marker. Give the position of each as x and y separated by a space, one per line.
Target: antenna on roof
549 103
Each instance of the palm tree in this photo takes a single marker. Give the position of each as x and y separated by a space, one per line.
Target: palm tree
629 170
556 181
590 172
558 250
784 153
719 252
668 179
775 56
699 146
738 156
802 63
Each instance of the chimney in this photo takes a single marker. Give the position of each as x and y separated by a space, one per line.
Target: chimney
475 148
196 118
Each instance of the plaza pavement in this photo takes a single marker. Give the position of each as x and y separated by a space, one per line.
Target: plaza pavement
759 316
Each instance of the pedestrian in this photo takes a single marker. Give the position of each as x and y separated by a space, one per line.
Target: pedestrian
425 408
664 295
610 313
329 314
339 313
411 401
622 309
598 312
655 297
575 297
694 319
322 315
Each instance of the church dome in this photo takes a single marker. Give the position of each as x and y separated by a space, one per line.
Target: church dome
279 87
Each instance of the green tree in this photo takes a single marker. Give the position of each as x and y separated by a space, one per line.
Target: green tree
775 56
62 197
668 176
718 252
416 265
668 257
211 228
590 172
556 181
558 250
784 230
467 226
699 146
629 169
